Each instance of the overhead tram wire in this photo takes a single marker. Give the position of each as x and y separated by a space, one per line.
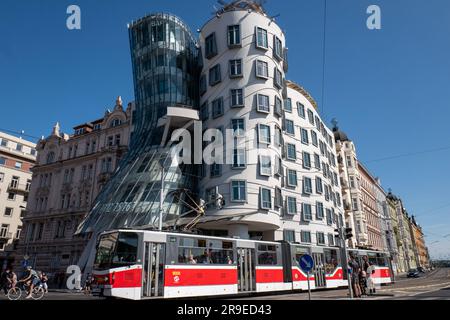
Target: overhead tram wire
409 154
21 133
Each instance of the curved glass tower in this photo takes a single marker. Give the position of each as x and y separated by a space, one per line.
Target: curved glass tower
165 59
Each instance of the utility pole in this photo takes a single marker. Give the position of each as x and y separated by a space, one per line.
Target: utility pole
343 234
161 199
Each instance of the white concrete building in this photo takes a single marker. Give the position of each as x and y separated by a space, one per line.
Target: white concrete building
281 178
17 156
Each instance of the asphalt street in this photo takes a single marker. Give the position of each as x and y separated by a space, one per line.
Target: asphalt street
434 285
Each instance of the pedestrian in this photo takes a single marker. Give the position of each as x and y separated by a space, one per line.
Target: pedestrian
44 280
363 275
355 269
4 283
87 284
370 280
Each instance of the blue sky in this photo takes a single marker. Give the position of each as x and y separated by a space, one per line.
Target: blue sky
388 88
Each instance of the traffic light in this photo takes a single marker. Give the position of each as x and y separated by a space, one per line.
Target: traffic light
337 233
348 233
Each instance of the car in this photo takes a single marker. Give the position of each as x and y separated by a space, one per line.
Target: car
421 269
412 273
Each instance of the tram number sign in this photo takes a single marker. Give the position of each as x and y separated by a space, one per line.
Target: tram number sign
306 263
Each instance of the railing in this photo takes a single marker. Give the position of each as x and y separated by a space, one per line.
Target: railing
5 235
13 186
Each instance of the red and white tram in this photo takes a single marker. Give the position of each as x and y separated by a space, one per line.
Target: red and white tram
137 264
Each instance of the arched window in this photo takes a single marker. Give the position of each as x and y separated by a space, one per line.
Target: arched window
116 122
50 157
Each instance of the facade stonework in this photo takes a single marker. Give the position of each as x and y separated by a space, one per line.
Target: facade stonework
17 157
69 173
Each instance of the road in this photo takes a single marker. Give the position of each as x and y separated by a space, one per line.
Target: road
434 285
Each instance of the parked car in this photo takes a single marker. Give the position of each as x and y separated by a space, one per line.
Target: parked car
412 273
421 269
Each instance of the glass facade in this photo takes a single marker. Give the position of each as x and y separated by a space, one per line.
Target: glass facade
166 65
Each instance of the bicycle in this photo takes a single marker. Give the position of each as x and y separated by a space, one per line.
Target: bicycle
16 292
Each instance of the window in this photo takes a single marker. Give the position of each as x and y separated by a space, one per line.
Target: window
319 210
265 165
355 204
289 126
215 170
237 98
202 85
263 133
18 165
234 36
305 236
349 161
329 217
217 107
4 230
238 158
291 203
11 196
238 191
235 68
110 141
19 147
306 160
307 212
18 232
352 182
4 142
277 48
292 178
94 143
289 235
320 238
304 136
262 69
314 138
9 212
278 79
319 185
267 254
278 166
210 46
310 117
262 103
278 136
204 111
277 109
316 161
238 126
330 239
2 161
261 38
278 197
291 152
266 198
214 75
288 105
117 140
116 122
307 185
301 110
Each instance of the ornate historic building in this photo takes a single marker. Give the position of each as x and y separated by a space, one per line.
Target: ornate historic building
70 171
17 157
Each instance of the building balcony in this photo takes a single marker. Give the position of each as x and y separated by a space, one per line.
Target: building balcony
19 188
5 236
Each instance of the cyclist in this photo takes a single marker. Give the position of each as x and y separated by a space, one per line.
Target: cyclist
31 279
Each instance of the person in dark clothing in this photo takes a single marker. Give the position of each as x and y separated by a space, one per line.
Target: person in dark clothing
4 280
355 271
363 275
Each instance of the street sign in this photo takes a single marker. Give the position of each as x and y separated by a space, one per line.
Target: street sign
306 263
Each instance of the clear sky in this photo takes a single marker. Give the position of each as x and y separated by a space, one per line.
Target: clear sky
389 88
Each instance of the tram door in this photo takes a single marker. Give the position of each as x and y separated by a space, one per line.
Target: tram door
153 273
246 269
319 270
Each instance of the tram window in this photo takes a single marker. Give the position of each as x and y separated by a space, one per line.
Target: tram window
126 251
299 251
267 254
381 260
372 258
331 260
220 252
